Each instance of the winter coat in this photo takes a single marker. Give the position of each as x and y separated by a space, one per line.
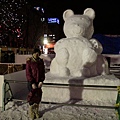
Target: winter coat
35 70
35 96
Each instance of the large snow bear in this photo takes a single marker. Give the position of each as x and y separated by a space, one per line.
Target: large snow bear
78 55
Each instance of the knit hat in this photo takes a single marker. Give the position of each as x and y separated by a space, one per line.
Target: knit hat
36 50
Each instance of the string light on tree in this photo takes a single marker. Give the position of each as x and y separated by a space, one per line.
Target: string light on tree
12 18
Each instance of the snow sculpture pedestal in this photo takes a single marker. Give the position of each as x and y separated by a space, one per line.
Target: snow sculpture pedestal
92 94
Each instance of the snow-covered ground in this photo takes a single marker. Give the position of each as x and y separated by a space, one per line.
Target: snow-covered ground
19 111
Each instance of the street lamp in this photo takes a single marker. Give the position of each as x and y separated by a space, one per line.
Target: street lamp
45 41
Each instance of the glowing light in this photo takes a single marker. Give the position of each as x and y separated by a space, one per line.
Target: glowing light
50 45
45 41
53 20
39 9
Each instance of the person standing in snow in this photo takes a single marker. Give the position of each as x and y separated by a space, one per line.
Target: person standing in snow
35 74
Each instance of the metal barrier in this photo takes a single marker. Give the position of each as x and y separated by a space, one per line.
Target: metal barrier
7 94
7 68
118 102
7 90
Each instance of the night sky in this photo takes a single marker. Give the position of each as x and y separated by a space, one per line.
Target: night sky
18 17
107 20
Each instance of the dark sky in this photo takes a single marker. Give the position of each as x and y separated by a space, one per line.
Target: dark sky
107 20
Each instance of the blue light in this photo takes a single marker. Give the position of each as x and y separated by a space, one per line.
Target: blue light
53 20
39 9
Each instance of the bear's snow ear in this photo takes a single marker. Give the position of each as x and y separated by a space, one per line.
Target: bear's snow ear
90 13
67 14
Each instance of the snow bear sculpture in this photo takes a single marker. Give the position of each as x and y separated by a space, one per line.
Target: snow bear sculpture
78 55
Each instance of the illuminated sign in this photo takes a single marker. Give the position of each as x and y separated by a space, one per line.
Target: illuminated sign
53 20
